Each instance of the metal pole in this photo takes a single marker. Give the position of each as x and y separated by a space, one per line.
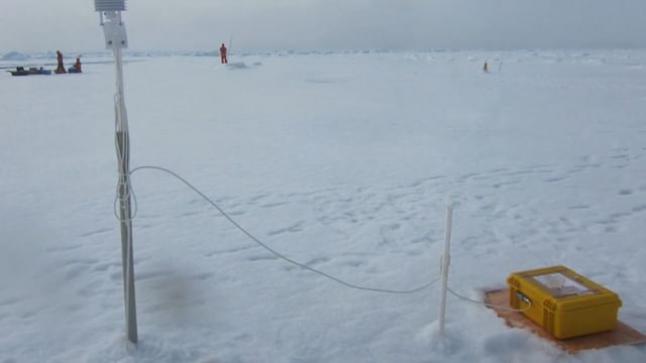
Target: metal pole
116 39
125 213
445 267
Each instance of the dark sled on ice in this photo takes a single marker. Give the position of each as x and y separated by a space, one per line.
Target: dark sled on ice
21 71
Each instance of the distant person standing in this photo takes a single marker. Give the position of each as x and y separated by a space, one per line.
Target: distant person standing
59 58
223 54
485 68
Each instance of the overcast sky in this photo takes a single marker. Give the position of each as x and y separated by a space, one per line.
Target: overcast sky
40 25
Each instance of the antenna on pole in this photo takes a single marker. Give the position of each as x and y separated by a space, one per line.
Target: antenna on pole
116 40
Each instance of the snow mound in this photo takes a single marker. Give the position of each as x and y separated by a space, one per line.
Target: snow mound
242 65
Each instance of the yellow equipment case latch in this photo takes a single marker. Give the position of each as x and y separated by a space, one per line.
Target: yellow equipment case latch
563 302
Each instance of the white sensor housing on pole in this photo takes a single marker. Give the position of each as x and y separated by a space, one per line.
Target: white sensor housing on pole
110 19
116 40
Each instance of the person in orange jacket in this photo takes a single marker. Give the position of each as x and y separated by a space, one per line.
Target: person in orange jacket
59 58
77 64
223 54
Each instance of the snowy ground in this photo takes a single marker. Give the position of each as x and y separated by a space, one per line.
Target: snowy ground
341 161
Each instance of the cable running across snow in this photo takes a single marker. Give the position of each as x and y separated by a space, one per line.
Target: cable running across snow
271 250
501 307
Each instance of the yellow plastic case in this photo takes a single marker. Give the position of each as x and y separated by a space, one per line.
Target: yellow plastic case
563 302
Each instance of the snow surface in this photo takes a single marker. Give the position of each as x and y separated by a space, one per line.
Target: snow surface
342 161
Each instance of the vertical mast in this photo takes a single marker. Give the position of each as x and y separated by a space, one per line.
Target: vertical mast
116 40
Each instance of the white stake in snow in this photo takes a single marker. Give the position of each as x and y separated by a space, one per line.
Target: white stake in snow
116 40
445 261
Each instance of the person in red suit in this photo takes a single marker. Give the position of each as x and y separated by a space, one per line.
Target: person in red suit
59 58
77 65
223 54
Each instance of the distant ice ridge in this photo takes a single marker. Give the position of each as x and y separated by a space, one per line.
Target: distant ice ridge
14 56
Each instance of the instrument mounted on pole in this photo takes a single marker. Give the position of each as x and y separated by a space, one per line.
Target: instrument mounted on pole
116 40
